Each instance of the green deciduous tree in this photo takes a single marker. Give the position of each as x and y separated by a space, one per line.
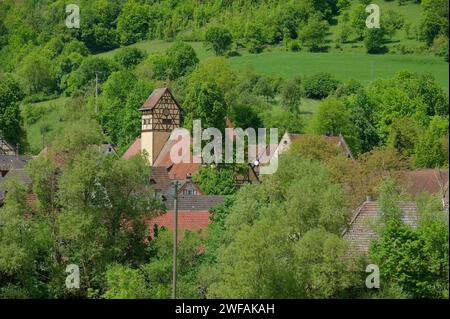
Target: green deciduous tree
181 58
291 94
358 18
404 135
10 117
133 22
270 230
415 260
255 37
122 96
205 101
313 33
216 180
91 210
85 75
35 69
430 151
374 41
219 39
129 57
332 117
435 20
320 85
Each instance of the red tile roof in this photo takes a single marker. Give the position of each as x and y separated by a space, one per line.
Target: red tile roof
180 171
187 220
161 178
134 149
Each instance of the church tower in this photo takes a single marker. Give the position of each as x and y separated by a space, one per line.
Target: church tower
160 114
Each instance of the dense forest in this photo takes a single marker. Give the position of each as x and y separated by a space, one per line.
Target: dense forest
71 88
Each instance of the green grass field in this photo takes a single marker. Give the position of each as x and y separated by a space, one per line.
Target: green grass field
358 66
50 123
412 13
345 65
160 46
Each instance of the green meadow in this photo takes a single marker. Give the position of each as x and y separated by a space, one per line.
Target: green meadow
42 131
344 65
358 66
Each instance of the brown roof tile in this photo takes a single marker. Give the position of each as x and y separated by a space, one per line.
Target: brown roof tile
161 178
433 181
154 98
361 230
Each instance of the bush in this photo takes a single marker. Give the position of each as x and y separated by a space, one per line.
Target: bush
294 46
181 58
219 39
32 113
403 49
440 46
129 57
320 85
85 74
375 41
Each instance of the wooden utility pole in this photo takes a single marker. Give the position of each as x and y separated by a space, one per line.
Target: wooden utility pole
175 242
96 92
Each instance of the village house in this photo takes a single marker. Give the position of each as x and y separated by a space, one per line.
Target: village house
5 148
339 141
161 114
362 227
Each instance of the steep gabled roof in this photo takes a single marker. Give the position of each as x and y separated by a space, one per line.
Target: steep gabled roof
177 171
161 179
154 98
134 149
339 141
6 148
433 181
361 232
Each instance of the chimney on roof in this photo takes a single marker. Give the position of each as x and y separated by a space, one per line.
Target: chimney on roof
189 176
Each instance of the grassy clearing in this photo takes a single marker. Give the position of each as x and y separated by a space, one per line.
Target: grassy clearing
412 13
345 66
160 46
50 123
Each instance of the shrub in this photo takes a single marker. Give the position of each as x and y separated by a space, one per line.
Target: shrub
374 41
294 46
320 85
129 57
219 39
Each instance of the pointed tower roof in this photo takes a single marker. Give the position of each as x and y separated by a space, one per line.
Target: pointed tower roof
154 98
